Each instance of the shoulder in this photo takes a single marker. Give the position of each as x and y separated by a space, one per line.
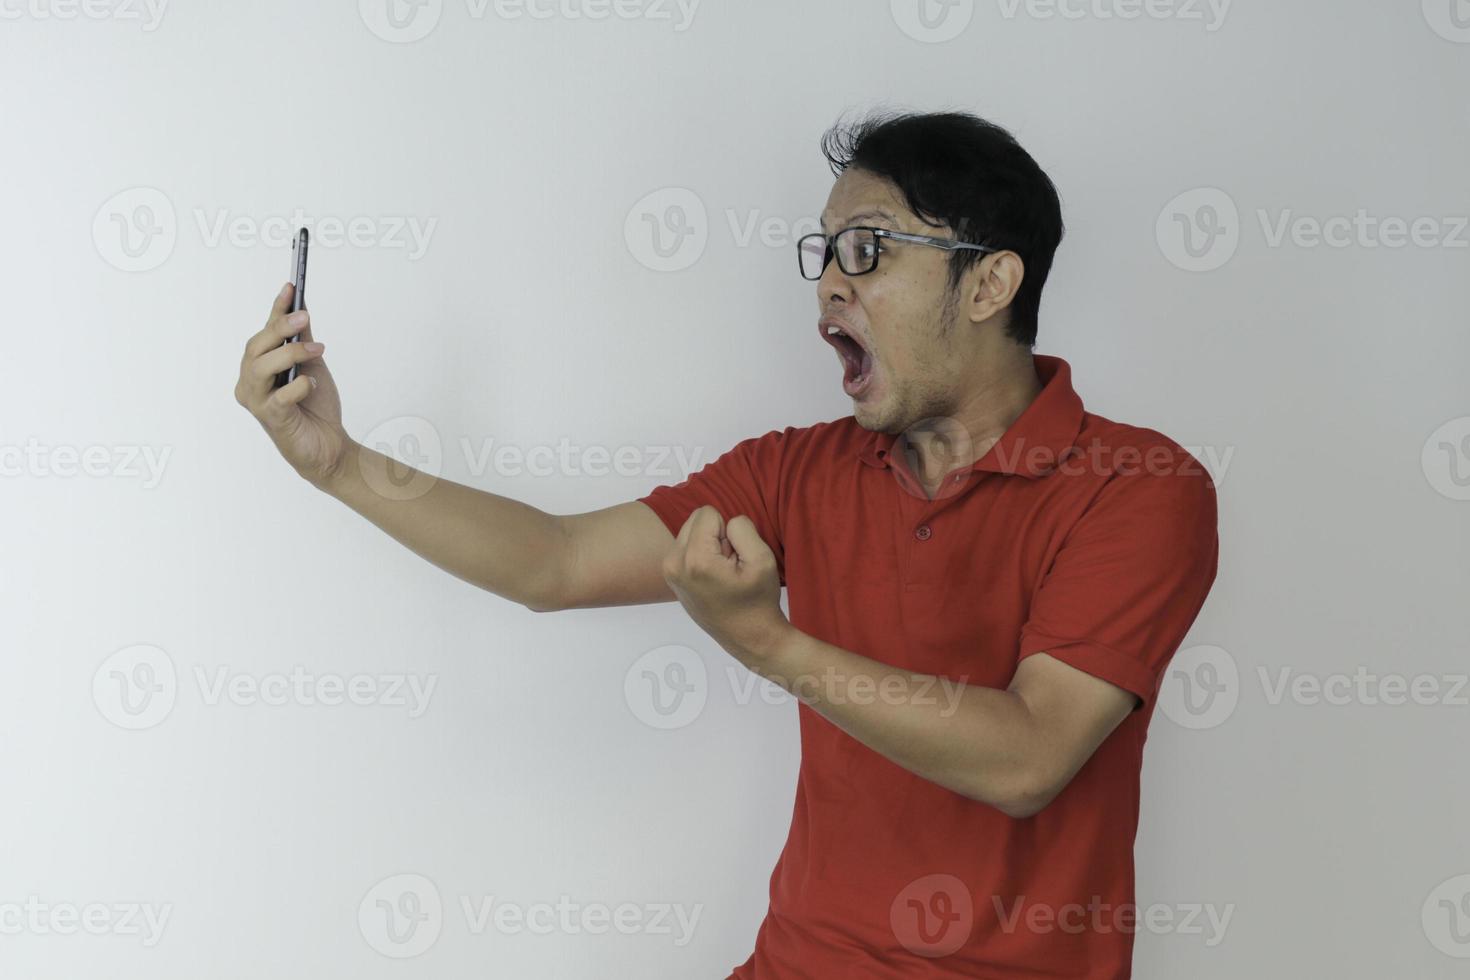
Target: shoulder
1114 450
1140 474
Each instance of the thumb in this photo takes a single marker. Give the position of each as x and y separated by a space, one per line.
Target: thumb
703 526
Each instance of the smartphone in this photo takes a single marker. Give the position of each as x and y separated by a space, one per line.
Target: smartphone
298 298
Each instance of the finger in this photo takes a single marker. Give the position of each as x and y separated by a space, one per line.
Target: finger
745 538
259 375
280 402
273 362
682 538
277 329
298 323
707 527
281 305
673 566
261 340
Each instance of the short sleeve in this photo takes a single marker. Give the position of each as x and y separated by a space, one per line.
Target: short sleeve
1129 579
745 480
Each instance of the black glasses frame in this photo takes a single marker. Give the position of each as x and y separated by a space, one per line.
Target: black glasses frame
829 242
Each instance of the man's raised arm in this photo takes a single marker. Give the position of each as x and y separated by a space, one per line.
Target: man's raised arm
542 561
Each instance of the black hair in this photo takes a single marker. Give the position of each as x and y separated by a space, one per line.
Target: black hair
957 169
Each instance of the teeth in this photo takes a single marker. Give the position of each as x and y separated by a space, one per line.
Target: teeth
836 330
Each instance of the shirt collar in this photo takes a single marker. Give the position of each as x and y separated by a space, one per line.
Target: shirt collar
1034 443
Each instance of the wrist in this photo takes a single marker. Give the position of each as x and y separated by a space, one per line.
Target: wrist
775 648
335 480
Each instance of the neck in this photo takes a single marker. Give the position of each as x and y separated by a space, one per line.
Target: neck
991 404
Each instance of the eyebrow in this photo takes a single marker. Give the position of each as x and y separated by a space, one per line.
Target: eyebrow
869 213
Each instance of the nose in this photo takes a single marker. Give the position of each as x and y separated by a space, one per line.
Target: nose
834 284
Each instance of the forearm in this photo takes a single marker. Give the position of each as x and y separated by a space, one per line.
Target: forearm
978 741
496 543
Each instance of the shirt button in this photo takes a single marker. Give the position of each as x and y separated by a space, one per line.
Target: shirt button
923 533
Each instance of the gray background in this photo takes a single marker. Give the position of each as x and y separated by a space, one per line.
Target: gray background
1323 383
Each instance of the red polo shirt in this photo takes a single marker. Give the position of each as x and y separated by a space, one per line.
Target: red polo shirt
1087 539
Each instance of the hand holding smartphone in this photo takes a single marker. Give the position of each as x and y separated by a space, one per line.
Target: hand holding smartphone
298 297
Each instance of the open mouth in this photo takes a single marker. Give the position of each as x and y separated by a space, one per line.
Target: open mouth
857 360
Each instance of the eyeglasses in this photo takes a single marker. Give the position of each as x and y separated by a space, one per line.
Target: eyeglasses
857 249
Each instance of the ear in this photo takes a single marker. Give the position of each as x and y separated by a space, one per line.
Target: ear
991 285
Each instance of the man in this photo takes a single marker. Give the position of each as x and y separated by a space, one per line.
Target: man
985 581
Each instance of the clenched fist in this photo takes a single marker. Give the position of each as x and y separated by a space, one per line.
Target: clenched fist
725 576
